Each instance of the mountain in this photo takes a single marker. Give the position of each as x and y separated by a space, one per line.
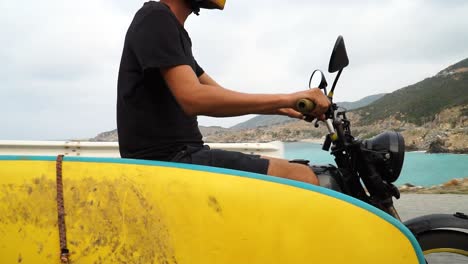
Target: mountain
108 136
262 121
421 102
212 130
111 136
361 103
457 66
271 120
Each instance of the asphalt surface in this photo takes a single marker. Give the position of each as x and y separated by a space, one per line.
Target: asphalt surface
413 205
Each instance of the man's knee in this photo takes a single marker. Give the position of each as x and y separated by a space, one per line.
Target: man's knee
306 172
285 169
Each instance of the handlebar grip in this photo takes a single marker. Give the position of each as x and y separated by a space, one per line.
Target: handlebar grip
305 106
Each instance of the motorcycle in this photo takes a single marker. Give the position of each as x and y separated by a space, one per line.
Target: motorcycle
367 169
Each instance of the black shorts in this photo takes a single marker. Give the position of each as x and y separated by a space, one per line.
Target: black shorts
222 159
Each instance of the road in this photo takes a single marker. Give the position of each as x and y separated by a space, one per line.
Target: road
414 205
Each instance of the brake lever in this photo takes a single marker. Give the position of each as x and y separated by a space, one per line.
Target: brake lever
308 118
317 123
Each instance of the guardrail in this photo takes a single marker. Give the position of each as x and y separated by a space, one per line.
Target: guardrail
111 149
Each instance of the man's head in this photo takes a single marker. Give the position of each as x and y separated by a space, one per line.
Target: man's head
207 4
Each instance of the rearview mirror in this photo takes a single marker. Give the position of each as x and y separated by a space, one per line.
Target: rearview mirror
339 58
317 79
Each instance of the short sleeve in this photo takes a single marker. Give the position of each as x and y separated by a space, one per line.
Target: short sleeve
156 42
198 70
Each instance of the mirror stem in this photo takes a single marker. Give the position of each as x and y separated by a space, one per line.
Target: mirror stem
330 95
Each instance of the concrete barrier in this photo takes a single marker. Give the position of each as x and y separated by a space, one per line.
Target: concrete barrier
111 149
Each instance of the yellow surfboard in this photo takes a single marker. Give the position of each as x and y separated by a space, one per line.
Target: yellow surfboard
133 211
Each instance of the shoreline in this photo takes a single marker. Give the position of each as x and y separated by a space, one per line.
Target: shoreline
454 186
321 140
311 140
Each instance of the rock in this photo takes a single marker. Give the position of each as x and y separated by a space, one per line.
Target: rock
460 151
458 186
109 136
453 182
437 146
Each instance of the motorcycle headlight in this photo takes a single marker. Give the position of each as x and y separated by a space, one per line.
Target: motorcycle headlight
391 149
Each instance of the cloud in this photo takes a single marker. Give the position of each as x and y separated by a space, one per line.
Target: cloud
60 59
58 79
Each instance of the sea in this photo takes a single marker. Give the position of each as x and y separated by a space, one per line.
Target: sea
419 168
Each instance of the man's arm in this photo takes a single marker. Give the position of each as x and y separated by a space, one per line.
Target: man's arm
205 97
206 79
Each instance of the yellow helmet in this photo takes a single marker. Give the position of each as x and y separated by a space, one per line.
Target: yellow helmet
207 4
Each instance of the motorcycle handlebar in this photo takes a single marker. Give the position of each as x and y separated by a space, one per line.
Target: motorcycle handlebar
305 106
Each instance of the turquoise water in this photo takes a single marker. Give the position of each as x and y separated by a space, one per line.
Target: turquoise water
418 169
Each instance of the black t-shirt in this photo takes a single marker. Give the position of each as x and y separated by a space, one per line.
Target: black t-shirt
150 122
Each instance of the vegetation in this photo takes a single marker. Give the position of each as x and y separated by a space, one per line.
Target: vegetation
262 121
461 64
419 103
361 103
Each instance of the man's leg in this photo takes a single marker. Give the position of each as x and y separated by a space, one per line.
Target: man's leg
294 171
252 163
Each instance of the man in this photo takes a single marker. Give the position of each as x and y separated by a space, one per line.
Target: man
162 90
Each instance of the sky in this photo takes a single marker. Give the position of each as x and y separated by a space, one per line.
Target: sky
60 59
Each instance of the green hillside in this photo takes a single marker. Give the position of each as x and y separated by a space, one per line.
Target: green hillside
461 64
362 102
262 121
419 103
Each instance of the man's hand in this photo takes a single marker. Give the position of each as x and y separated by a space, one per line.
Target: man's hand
322 103
290 113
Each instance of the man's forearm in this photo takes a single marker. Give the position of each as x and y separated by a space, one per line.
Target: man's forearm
220 102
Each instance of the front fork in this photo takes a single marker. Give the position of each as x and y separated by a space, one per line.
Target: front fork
393 212
386 204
